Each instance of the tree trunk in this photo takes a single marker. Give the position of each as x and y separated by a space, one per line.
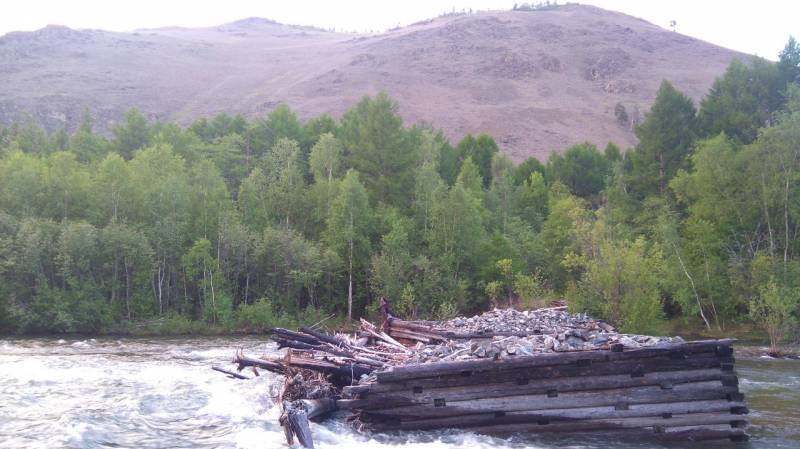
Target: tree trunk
766 215
127 290
350 285
691 281
213 297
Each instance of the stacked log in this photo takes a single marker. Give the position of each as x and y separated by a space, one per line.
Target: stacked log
676 391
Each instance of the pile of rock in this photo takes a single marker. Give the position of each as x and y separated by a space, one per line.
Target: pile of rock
509 333
542 321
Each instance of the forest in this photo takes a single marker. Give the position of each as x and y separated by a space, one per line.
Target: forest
232 223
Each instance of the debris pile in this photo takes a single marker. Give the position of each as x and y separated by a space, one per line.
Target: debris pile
506 371
504 333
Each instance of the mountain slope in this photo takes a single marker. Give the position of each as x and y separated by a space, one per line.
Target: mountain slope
538 81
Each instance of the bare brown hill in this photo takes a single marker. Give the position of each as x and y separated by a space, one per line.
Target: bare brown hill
538 81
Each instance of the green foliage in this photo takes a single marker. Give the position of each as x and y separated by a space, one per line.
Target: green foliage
621 284
377 146
349 230
132 134
772 309
581 168
558 236
743 100
665 140
523 171
789 62
164 229
326 158
480 150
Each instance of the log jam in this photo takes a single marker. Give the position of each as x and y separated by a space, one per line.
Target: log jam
548 371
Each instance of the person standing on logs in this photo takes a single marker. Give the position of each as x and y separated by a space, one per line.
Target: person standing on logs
385 312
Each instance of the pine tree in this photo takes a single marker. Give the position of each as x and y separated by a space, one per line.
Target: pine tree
665 140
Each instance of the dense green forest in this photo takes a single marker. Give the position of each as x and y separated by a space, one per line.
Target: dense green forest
242 224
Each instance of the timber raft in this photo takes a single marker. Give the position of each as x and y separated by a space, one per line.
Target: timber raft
666 390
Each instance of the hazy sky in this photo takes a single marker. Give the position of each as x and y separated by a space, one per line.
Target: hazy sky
760 27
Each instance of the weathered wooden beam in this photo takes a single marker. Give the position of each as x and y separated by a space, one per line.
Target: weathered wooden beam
417 371
663 434
658 425
297 336
410 335
635 368
607 412
536 386
269 365
711 390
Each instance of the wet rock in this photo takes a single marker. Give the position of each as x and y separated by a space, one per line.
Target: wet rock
628 342
574 342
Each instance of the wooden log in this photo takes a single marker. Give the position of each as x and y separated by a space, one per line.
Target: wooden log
321 336
297 336
607 412
395 333
657 424
318 408
416 371
369 328
269 365
230 374
296 418
635 368
660 434
711 390
294 344
540 386
396 324
426 335
347 370
327 348
343 370
296 415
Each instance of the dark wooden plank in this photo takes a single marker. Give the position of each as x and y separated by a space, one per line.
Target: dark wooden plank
635 367
416 371
657 424
712 390
634 411
536 386
669 434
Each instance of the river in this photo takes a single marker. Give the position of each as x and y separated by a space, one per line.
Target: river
161 393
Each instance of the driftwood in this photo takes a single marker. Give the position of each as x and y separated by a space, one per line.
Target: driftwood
230 374
296 415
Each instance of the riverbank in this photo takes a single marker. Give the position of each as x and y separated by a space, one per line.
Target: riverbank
259 322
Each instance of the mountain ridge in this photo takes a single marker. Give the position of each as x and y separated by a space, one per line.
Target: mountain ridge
538 81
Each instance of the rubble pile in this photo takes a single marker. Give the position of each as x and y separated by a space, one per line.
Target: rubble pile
509 333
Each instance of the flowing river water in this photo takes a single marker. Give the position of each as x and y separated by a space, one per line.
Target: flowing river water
161 393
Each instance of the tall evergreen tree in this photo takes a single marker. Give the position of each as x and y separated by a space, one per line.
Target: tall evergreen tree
665 140
377 146
742 100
